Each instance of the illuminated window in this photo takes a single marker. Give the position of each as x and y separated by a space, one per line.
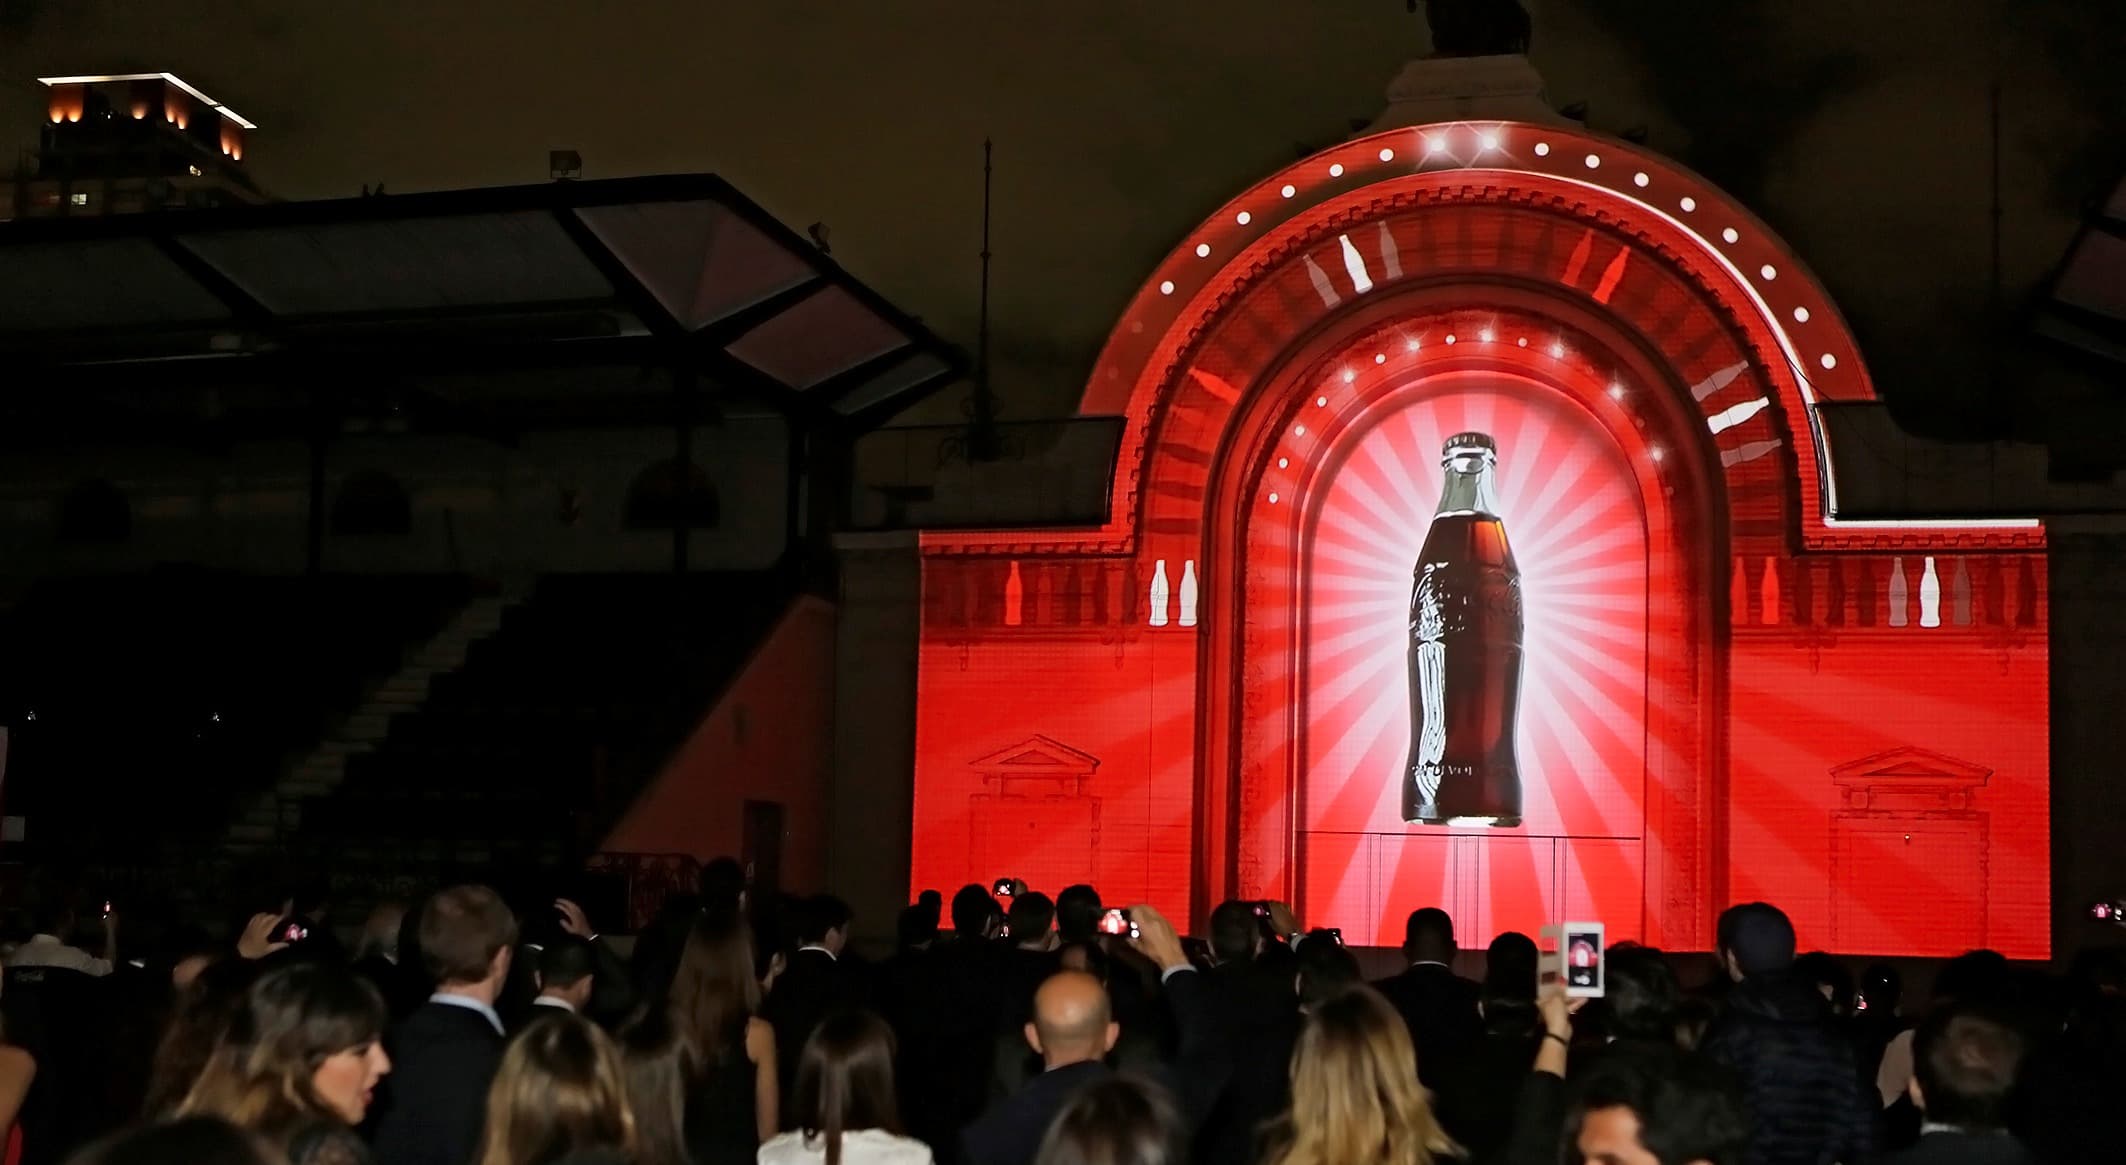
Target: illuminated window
79 200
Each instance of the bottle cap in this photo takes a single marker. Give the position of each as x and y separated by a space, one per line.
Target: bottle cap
1466 441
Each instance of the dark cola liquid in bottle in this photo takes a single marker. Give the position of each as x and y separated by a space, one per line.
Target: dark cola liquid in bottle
1465 653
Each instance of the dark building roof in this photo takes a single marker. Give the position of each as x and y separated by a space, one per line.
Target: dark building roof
680 272
2086 307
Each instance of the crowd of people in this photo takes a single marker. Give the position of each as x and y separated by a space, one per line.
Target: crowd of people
1057 1032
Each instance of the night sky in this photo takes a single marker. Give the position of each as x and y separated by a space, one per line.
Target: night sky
1859 128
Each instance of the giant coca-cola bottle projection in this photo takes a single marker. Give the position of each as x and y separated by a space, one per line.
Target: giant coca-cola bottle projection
1465 653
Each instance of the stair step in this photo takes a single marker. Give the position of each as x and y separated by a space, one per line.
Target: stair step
369 726
341 747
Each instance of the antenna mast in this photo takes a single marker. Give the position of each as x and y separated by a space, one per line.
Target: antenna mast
982 414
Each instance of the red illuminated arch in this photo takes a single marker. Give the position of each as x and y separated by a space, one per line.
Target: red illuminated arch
1485 200
1687 340
1547 255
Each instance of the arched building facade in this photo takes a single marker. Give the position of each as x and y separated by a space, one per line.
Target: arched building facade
1727 692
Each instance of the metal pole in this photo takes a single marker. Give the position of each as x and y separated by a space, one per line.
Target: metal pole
982 427
314 537
796 545
682 463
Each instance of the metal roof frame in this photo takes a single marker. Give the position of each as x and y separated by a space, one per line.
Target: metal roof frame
888 359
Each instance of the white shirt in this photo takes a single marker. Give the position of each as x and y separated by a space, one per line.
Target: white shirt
44 950
820 949
861 1147
555 1001
470 1004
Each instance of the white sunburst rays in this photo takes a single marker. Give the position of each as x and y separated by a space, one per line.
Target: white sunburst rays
1552 494
1577 536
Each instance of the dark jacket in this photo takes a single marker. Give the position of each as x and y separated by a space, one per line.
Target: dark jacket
1440 1009
948 1011
1804 1099
1477 1104
1965 1149
813 986
435 1101
1257 1016
1011 1132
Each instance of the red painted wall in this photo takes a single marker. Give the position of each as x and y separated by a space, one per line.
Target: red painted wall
769 738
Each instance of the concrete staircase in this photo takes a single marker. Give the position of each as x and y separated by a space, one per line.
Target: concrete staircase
275 815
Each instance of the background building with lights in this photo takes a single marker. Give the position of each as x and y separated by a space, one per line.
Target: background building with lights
127 143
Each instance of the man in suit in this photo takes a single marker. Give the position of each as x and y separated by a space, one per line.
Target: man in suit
446 1052
1964 1066
1073 1030
1438 1005
949 1008
815 984
1254 996
565 975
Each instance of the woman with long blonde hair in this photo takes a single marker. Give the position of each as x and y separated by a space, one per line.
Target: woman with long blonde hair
1355 1096
559 1093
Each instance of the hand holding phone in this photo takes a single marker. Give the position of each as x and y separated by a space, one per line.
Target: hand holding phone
260 937
1156 938
1005 887
1581 950
1116 922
